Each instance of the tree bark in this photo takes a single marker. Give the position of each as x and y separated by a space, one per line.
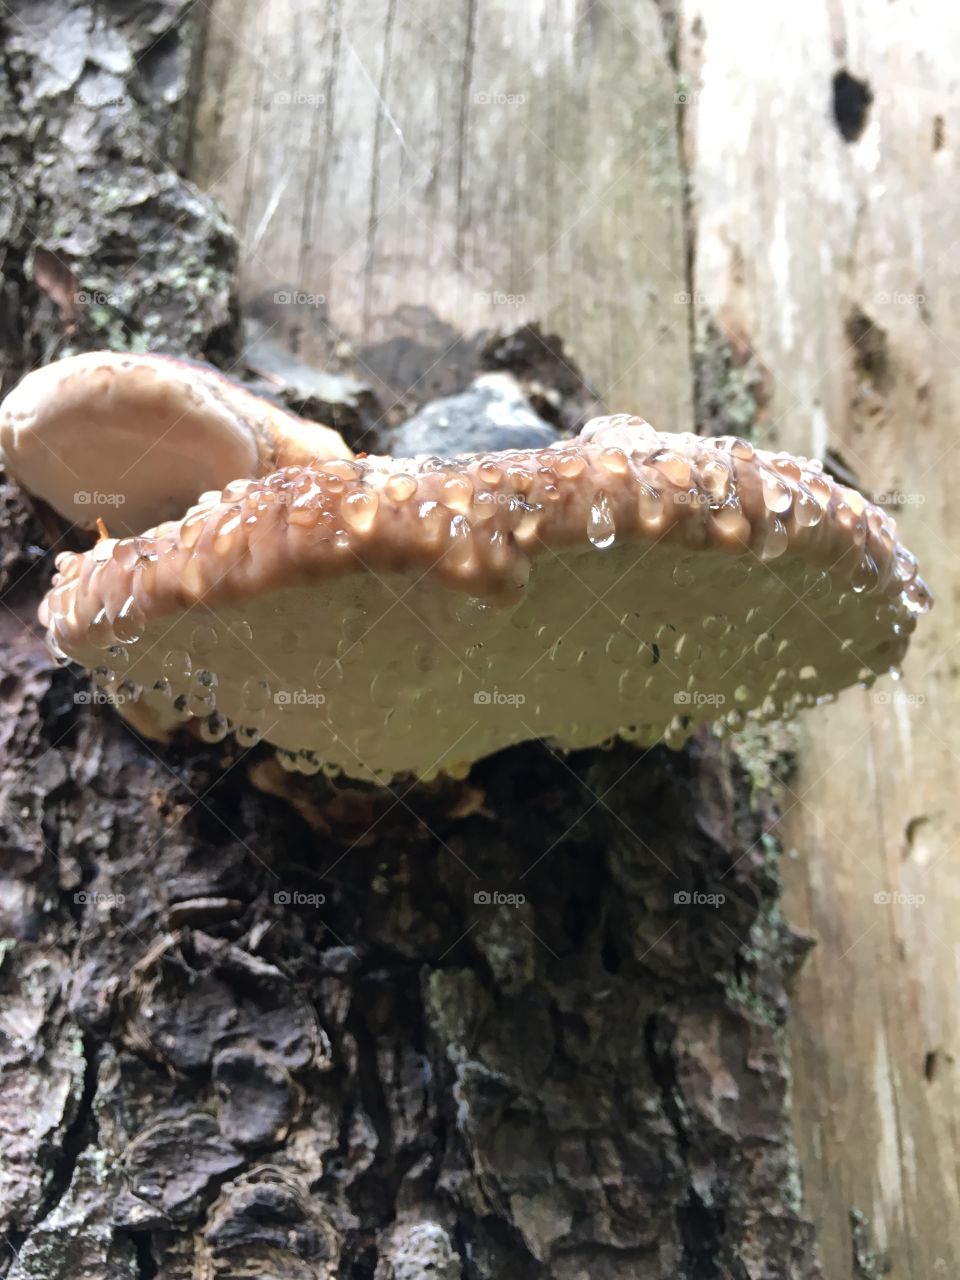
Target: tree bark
263 1026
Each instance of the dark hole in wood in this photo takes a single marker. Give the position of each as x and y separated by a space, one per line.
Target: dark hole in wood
851 102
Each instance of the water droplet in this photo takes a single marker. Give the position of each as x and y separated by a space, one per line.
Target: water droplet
100 632
683 574
570 465
119 657
777 494
787 466
741 449
359 510
130 622
673 465
456 492
204 639
601 529
713 625
240 635
255 694
228 525
400 488
308 762
905 565
917 596
729 518
806 509
214 728
620 647
865 576
248 735
774 540
327 675
716 479
460 548
649 502
614 460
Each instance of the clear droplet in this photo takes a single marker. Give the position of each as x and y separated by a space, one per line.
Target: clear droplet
130 622
601 529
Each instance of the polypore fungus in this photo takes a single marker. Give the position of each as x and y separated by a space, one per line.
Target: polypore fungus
155 432
386 616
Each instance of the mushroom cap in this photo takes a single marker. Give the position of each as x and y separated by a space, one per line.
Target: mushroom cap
135 439
384 616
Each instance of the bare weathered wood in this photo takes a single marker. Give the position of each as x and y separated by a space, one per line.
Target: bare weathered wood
831 263
488 162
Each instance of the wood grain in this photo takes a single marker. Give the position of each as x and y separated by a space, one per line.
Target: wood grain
836 264
488 162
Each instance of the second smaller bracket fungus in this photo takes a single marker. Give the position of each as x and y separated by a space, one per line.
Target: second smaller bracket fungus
135 439
380 616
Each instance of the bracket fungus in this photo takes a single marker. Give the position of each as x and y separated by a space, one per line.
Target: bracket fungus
380 616
160 430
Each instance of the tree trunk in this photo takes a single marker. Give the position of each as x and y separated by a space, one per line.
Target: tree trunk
256 1026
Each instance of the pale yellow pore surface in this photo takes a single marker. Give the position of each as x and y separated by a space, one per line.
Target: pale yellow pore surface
134 439
383 617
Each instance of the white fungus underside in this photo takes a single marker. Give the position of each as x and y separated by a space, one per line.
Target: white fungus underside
358 680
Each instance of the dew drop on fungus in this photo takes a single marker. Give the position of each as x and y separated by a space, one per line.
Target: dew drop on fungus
215 728
359 510
100 632
649 502
130 622
806 509
601 529
204 639
400 487
774 540
570 465
777 494
865 576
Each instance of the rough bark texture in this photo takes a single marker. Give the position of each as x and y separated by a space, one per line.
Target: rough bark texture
287 1029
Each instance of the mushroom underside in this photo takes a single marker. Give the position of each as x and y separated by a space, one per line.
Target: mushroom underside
379 674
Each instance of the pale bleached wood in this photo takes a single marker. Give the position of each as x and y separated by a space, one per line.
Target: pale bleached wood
797 230
489 161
